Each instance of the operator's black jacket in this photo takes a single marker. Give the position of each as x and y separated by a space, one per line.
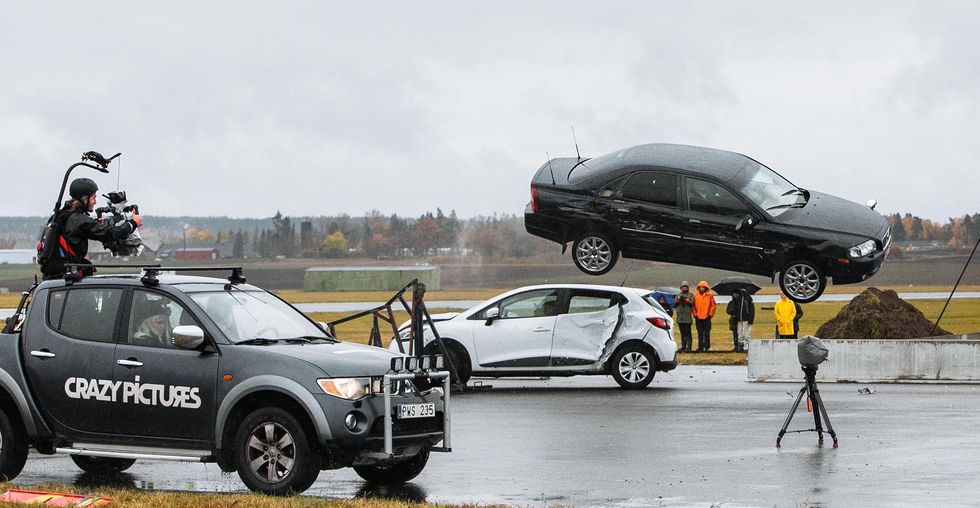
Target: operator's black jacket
741 308
78 227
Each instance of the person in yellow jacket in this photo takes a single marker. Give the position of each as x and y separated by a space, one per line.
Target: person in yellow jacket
704 310
785 312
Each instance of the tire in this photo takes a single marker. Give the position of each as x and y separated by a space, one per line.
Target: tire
102 465
633 367
594 253
394 474
294 465
802 281
459 360
13 446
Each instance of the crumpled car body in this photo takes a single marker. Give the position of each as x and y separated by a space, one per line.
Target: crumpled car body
557 330
704 207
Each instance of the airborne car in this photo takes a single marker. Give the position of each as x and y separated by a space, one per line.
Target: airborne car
704 207
558 330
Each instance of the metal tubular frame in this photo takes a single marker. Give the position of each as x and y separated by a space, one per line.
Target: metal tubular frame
389 382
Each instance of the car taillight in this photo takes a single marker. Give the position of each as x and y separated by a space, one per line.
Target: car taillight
659 322
534 198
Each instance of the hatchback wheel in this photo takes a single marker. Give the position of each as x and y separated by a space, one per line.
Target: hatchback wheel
594 253
633 367
802 281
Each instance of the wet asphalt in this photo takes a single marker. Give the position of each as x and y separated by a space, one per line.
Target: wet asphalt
698 436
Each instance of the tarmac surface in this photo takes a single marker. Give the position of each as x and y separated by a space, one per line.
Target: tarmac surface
698 436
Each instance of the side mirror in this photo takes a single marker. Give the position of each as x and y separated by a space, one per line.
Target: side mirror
492 313
188 337
323 326
746 222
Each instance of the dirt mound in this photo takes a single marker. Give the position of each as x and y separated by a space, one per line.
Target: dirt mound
877 314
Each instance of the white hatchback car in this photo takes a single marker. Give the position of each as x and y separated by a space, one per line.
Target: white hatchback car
558 330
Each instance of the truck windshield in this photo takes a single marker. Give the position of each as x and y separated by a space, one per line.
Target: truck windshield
247 315
767 189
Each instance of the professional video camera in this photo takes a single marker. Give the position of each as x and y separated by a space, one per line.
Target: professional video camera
120 212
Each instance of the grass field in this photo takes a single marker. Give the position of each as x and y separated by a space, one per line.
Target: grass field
131 498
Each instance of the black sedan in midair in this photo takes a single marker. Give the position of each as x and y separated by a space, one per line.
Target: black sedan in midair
704 207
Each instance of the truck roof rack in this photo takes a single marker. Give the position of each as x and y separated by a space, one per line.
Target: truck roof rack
72 270
150 277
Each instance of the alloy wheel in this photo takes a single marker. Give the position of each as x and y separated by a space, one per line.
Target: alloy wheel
634 367
801 281
271 452
594 253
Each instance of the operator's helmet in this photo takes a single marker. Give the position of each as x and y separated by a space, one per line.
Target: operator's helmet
81 187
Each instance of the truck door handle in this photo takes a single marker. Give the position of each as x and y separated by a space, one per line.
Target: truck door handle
44 353
131 362
542 329
694 221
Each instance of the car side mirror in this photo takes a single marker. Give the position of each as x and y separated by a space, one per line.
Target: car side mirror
188 337
323 326
746 222
492 313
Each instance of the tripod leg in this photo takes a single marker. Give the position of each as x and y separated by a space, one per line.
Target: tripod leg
826 418
789 417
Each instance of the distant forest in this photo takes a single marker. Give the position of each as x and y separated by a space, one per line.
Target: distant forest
377 235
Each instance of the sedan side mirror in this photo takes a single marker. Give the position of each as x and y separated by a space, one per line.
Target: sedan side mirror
492 313
746 222
188 337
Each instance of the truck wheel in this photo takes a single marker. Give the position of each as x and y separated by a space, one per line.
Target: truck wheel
633 367
13 447
394 474
802 281
273 453
594 253
102 465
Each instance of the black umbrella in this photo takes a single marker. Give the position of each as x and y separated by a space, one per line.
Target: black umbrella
729 285
669 290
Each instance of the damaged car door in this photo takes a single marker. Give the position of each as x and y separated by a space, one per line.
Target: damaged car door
583 332
517 330
645 213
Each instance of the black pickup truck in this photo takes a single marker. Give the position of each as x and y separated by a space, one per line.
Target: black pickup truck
111 369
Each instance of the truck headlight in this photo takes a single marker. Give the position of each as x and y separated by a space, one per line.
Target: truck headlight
346 388
862 250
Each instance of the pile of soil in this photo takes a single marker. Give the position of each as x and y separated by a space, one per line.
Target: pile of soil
877 314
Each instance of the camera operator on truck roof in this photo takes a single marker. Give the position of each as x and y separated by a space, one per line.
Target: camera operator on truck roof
78 227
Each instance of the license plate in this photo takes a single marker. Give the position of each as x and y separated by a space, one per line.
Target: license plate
406 411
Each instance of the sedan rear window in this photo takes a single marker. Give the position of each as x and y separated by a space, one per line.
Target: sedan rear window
654 188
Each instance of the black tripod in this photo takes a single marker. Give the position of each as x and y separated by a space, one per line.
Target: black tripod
816 403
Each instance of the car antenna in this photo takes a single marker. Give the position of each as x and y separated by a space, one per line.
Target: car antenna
553 182
575 140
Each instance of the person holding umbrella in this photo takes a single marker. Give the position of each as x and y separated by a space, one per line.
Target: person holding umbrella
704 310
740 308
684 305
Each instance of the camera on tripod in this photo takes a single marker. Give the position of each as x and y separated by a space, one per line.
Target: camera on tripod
121 211
812 352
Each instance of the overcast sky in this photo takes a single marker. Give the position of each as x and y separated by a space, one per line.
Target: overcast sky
311 108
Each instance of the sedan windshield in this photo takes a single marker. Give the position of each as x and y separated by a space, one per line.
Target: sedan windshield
767 189
249 315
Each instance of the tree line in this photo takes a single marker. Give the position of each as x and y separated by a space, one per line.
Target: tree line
957 233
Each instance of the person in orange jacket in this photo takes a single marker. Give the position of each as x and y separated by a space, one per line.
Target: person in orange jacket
704 310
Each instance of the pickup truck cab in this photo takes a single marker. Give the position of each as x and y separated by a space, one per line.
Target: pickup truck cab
114 368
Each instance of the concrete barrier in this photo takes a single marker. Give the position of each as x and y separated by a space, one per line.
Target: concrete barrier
952 359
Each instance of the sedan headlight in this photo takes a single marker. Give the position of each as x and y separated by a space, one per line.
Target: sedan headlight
347 388
862 250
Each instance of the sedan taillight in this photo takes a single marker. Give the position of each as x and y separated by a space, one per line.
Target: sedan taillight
659 322
534 198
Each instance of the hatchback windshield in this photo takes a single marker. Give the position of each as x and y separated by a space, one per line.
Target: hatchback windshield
767 189
246 315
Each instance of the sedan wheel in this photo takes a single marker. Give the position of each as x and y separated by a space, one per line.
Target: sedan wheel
802 281
633 367
594 254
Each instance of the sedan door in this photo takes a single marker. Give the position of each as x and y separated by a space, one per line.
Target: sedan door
711 239
521 334
167 392
646 215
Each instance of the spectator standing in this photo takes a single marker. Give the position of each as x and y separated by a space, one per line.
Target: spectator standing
683 304
704 310
744 317
730 309
796 319
662 300
785 312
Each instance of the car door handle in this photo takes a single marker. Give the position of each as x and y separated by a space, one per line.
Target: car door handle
542 329
131 362
621 210
44 353
694 221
